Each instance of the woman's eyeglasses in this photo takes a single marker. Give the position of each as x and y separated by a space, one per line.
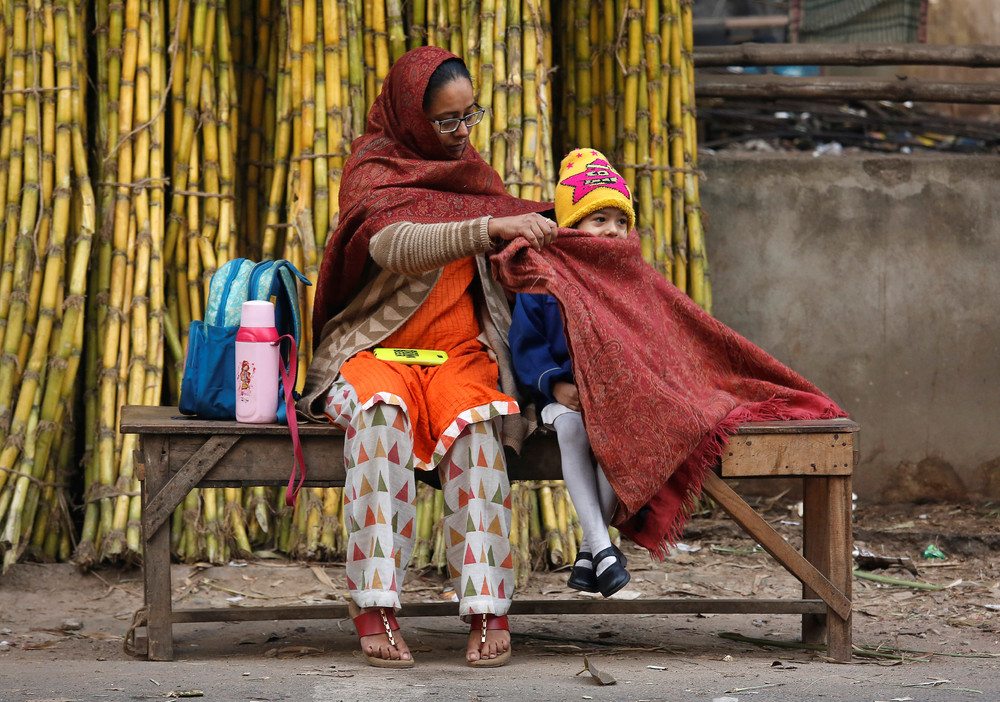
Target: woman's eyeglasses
447 126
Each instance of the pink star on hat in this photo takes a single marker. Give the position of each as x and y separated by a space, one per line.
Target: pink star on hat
597 174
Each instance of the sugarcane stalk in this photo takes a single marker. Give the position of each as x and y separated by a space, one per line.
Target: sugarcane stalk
368 19
484 131
314 521
582 108
498 101
332 36
286 515
676 139
655 88
544 166
380 43
193 227
526 523
515 524
19 512
15 110
135 77
468 24
302 70
120 475
567 121
560 499
632 70
321 196
18 260
609 74
550 526
157 210
531 186
202 37
6 146
644 177
515 89
439 553
330 525
454 28
228 126
213 540
207 170
692 206
252 115
424 527
437 14
355 73
397 35
282 146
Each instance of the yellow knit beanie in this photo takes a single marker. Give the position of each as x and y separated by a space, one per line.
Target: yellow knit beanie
587 182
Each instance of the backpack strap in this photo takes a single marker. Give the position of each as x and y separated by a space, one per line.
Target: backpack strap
298 462
219 291
258 271
285 287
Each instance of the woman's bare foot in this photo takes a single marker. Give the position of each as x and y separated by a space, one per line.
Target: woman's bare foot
497 641
380 646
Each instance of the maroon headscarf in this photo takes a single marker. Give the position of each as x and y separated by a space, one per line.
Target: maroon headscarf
398 171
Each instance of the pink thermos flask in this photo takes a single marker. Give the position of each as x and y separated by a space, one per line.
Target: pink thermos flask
257 359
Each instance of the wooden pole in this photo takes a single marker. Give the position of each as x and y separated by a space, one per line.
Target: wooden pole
751 54
899 90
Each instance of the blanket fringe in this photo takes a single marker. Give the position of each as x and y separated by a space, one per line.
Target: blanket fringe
709 453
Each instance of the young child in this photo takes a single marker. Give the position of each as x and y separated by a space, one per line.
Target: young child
591 197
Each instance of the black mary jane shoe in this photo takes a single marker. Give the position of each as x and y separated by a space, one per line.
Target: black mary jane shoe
614 577
582 576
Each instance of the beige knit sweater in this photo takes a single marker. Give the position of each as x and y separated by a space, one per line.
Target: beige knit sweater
406 262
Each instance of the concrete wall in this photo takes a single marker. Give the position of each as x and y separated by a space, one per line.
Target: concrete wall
877 278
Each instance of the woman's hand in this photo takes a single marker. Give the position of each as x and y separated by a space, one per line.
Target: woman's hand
566 394
538 230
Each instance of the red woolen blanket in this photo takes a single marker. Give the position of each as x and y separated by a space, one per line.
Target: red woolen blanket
662 383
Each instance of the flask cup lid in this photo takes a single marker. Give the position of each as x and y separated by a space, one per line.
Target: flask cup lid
257 314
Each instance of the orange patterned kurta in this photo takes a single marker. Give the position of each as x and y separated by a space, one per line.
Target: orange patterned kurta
434 395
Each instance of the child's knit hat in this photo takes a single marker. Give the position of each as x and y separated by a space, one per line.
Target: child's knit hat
587 182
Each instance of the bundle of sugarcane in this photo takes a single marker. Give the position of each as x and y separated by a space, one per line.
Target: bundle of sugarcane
162 235
126 291
221 130
629 92
47 231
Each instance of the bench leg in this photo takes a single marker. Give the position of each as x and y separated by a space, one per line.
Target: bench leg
156 557
828 545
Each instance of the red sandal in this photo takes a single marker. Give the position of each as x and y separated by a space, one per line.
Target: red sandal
375 622
482 623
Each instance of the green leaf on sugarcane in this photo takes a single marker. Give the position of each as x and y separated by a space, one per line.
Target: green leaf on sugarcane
598 675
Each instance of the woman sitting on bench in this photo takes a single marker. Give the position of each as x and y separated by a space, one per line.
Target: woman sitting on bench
406 269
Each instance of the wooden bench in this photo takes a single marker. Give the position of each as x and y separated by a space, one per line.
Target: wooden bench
177 454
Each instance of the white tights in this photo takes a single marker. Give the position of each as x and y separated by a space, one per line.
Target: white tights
592 495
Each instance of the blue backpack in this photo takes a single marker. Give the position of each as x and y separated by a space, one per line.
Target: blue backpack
209 386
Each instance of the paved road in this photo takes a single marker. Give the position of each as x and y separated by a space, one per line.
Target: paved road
271 661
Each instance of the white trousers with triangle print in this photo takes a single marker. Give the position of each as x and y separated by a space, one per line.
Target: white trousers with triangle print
380 503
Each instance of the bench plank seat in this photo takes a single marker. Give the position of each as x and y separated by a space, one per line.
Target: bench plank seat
178 453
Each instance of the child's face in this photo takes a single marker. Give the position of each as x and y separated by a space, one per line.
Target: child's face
607 221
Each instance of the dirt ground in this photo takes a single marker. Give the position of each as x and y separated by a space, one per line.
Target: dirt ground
61 631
